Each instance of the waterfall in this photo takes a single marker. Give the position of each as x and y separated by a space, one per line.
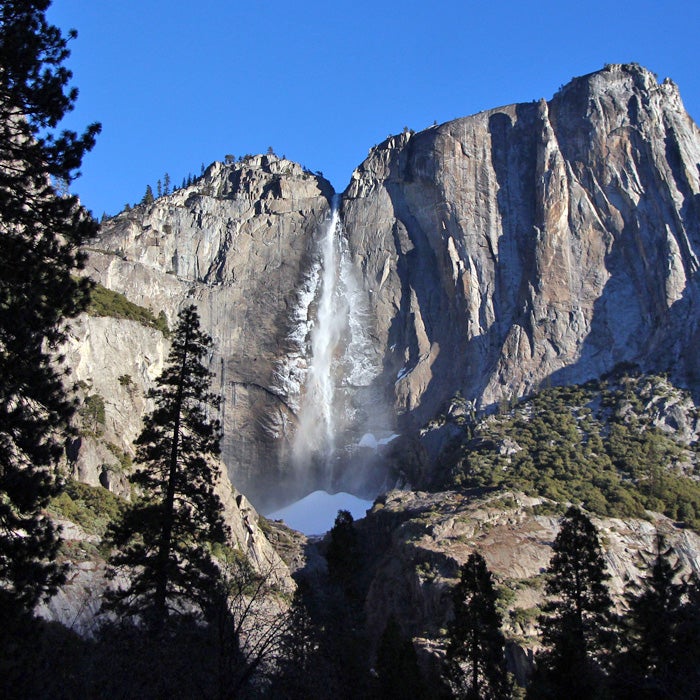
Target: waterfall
315 437
336 404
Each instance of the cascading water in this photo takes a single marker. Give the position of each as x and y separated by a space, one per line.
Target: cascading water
315 437
329 377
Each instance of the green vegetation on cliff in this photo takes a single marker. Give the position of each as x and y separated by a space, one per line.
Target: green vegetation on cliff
105 302
599 445
91 507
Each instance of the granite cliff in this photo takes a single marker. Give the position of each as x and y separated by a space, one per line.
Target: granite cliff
542 241
419 541
536 243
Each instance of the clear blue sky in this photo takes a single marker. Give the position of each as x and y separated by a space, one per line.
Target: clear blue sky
177 84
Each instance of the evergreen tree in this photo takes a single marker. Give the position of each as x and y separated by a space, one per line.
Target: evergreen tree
397 666
40 230
578 629
476 641
164 537
344 640
166 184
686 680
657 615
343 554
148 197
300 667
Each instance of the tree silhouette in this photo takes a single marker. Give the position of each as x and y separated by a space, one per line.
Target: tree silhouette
578 628
652 664
397 665
164 538
475 661
298 663
343 554
40 230
148 197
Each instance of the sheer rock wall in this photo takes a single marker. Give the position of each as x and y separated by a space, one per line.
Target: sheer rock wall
539 242
238 244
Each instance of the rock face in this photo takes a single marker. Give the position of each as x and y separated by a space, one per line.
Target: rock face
539 242
238 244
424 539
77 603
542 241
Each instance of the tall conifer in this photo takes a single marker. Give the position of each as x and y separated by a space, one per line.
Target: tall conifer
40 230
653 662
475 662
164 538
578 628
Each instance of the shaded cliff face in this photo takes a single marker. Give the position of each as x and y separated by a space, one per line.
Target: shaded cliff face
239 244
538 242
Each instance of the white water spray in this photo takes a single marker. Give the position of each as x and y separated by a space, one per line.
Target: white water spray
335 404
315 436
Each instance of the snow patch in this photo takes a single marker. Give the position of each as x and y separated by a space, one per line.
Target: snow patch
315 514
370 441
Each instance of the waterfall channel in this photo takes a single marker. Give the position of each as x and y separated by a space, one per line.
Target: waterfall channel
333 449
315 436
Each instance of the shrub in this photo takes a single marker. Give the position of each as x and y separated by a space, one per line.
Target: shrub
91 507
614 461
105 302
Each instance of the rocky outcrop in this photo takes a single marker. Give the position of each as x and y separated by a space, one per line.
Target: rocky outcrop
115 361
542 241
78 602
425 538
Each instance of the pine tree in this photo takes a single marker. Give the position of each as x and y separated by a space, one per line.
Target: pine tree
166 184
344 641
40 230
656 616
300 674
476 641
343 554
687 645
164 538
148 197
397 665
578 629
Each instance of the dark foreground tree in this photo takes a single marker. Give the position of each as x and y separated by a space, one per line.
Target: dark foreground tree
343 640
475 662
299 664
164 539
578 627
343 555
40 230
655 661
398 674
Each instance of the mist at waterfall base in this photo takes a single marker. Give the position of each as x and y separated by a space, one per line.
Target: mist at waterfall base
336 458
